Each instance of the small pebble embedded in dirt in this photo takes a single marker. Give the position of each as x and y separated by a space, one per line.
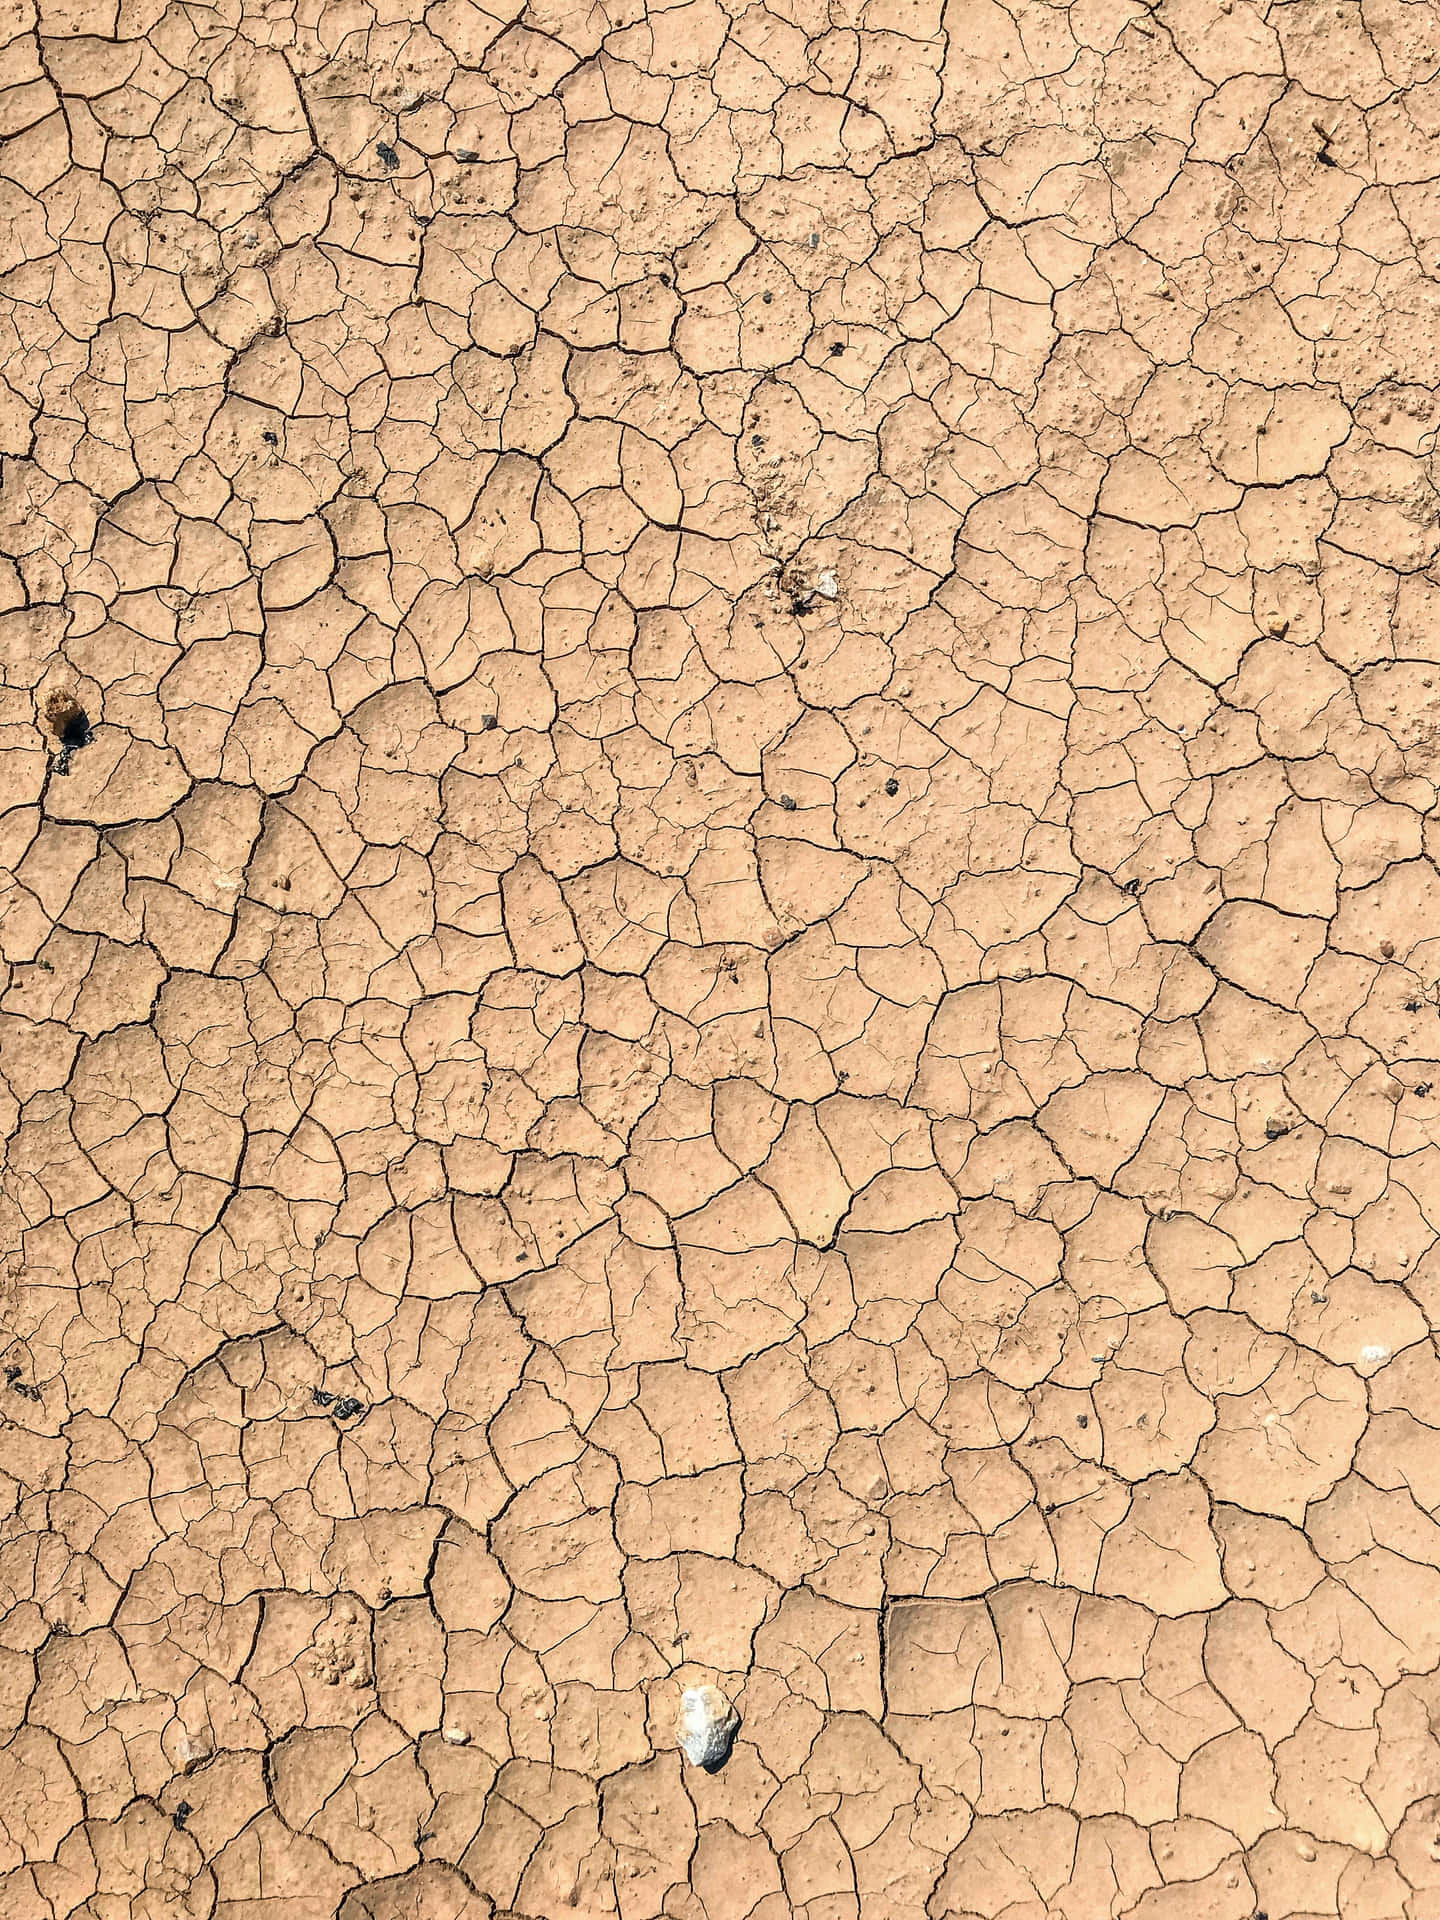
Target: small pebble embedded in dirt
708 1725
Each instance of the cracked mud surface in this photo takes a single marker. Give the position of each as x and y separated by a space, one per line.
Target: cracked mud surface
719 741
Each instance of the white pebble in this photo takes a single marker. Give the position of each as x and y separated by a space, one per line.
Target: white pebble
708 1726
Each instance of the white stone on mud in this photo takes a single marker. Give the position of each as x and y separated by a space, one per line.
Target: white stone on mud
708 1726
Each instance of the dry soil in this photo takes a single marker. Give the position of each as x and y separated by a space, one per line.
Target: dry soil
720 744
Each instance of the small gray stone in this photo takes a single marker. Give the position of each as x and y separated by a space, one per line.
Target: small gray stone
708 1726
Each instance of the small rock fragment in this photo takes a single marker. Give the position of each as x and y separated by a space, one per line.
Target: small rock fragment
708 1726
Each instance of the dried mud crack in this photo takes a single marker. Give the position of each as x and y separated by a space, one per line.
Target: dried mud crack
720 914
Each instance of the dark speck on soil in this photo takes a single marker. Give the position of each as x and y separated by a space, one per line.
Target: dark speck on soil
70 725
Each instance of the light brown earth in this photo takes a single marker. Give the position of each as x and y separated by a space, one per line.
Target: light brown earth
741 986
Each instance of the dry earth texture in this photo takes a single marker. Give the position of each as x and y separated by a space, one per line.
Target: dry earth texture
721 739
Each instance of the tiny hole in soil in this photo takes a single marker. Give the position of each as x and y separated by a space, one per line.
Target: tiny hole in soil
70 724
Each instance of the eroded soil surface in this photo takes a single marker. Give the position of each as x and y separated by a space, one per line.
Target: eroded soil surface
720 731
